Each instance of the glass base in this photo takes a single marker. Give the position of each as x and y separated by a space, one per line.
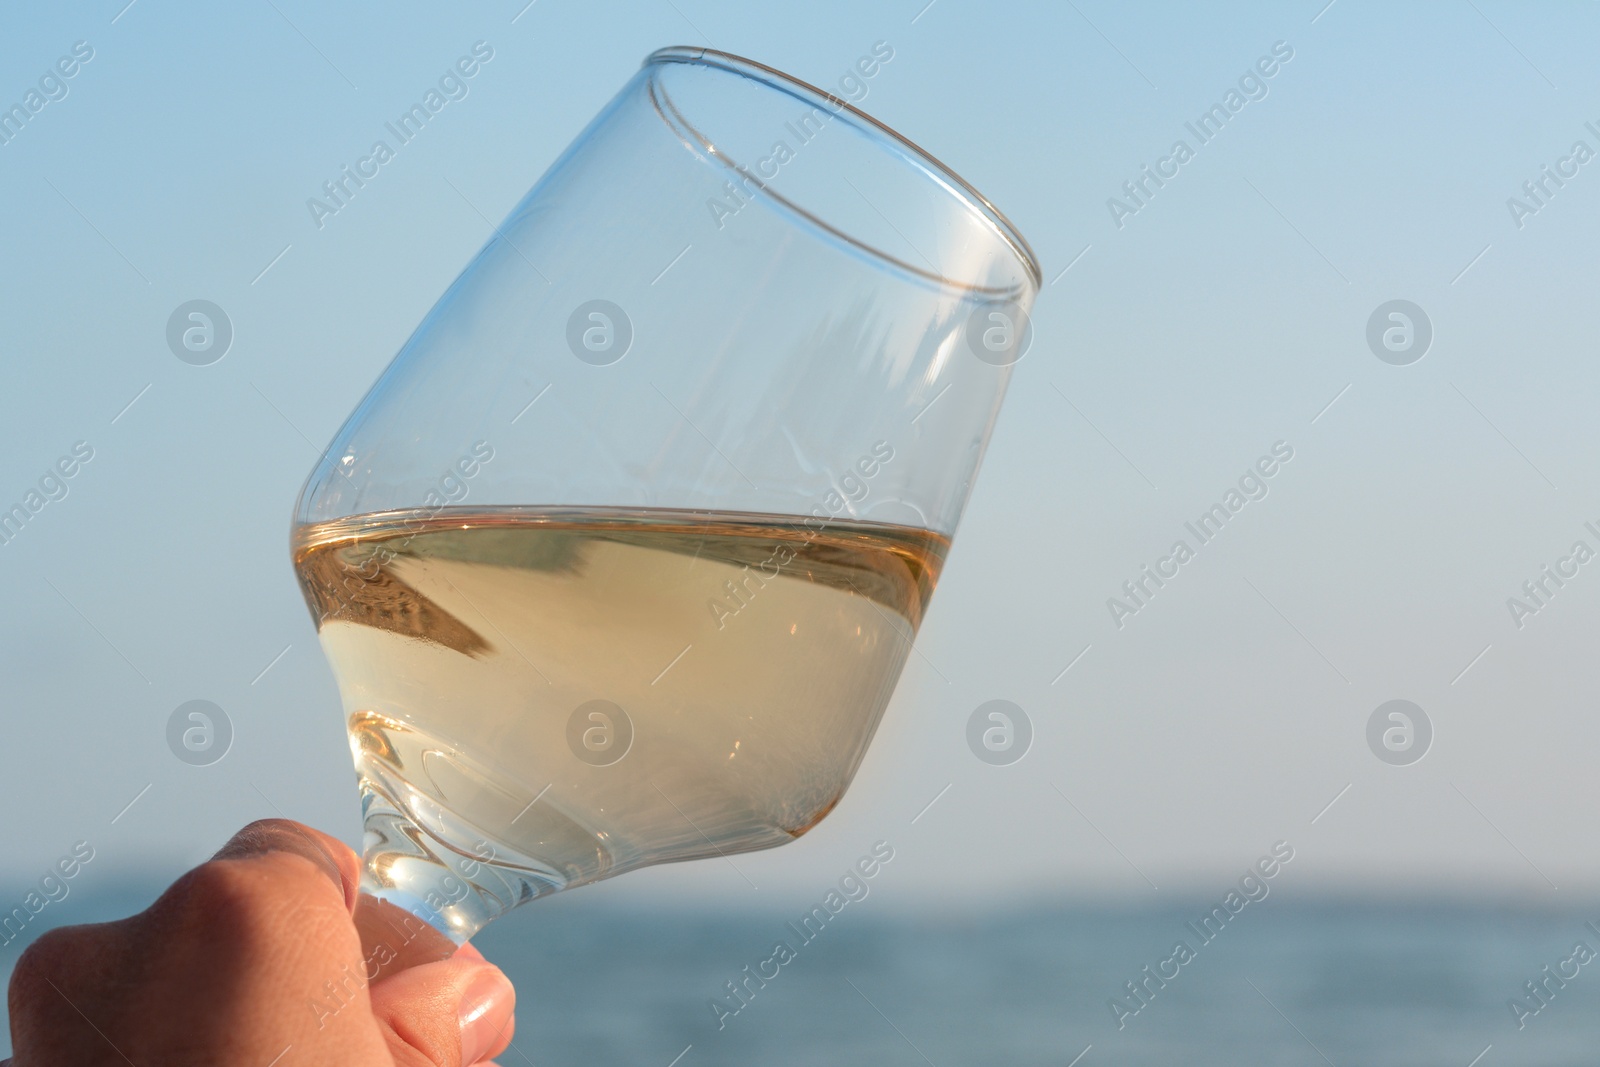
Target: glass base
430 879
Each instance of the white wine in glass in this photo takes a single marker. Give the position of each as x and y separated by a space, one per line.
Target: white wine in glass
656 614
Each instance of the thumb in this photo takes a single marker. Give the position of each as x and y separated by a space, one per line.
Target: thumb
453 1013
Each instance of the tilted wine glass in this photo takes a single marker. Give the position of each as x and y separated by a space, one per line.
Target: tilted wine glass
619 561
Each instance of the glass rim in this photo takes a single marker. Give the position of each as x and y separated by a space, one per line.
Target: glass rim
964 190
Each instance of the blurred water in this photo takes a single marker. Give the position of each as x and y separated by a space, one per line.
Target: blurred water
1350 984
1285 983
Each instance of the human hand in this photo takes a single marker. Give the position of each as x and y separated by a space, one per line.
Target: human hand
251 960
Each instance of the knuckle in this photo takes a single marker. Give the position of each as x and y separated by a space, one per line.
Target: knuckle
223 897
49 957
251 902
269 827
59 963
260 836
221 885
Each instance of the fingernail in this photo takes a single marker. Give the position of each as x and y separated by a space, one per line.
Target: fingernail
485 1012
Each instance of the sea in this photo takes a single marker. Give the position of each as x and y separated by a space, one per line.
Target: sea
1337 982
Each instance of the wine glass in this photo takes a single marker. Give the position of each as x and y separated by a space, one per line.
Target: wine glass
619 561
